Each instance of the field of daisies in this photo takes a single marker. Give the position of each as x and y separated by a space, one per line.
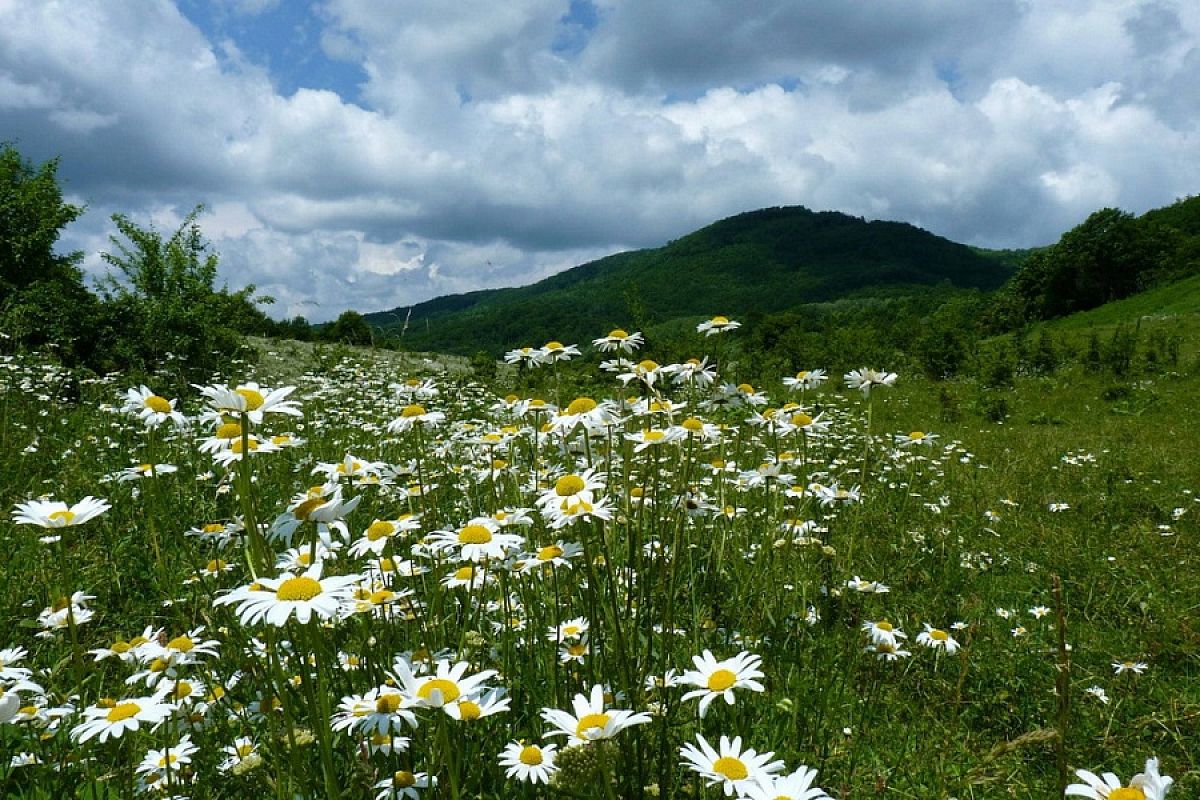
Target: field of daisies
626 580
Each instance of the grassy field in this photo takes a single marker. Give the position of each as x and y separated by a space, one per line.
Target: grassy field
508 558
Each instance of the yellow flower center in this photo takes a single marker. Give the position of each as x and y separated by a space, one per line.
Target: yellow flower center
181 643
549 553
576 649
884 625
531 755
244 750
801 420
581 405
719 320
916 436
1130 793
938 635
216 565
404 780
732 768
64 516
802 374
449 690
647 366
305 509
653 435
121 647
589 721
388 703
253 397
474 534
158 404
721 680
616 334
692 424
413 410
464 573
568 485
745 387
122 711
298 589
554 345
380 530
229 430
469 710
182 689
236 445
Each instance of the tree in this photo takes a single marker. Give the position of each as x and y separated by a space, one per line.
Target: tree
42 297
165 294
349 328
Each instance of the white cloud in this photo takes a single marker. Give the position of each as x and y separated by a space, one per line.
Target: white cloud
482 155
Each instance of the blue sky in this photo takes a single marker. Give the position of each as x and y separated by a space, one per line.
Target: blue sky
368 155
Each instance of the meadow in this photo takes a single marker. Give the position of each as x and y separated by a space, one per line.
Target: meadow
368 578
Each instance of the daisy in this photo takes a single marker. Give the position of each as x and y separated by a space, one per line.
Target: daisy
380 710
1119 667
865 379
413 416
805 379
694 372
1148 785
796 786
404 784
591 721
241 749
619 339
735 769
529 762
251 400
110 719
447 683
479 541
467 709
524 356
716 325
54 514
915 439
160 762
151 409
555 351
720 678
558 554
233 450
937 639
381 531
653 437
883 632
275 600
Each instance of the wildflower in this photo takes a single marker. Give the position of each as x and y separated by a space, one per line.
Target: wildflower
591 721
468 709
275 600
805 379
151 409
1136 667
883 632
865 379
556 351
796 786
478 541
380 710
916 438
1059 507
1098 693
524 356
718 324
1147 785
159 762
110 719
446 685
415 415
403 785
139 471
618 339
529 762
251 400
54 514
382 531
720 678
937 639
735 769
242 748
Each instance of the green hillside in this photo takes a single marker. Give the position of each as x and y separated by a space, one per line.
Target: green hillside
760 262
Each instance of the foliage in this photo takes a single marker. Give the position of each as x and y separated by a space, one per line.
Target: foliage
164 302
42 298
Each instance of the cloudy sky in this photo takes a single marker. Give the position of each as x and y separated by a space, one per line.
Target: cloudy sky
368 154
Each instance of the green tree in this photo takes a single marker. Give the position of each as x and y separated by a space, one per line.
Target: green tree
43 301
349 328
165 304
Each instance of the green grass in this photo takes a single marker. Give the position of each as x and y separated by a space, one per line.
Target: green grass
957 531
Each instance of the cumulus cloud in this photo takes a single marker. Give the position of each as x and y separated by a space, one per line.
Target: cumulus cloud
492 144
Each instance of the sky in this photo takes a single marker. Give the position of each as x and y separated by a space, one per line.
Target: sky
370 154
